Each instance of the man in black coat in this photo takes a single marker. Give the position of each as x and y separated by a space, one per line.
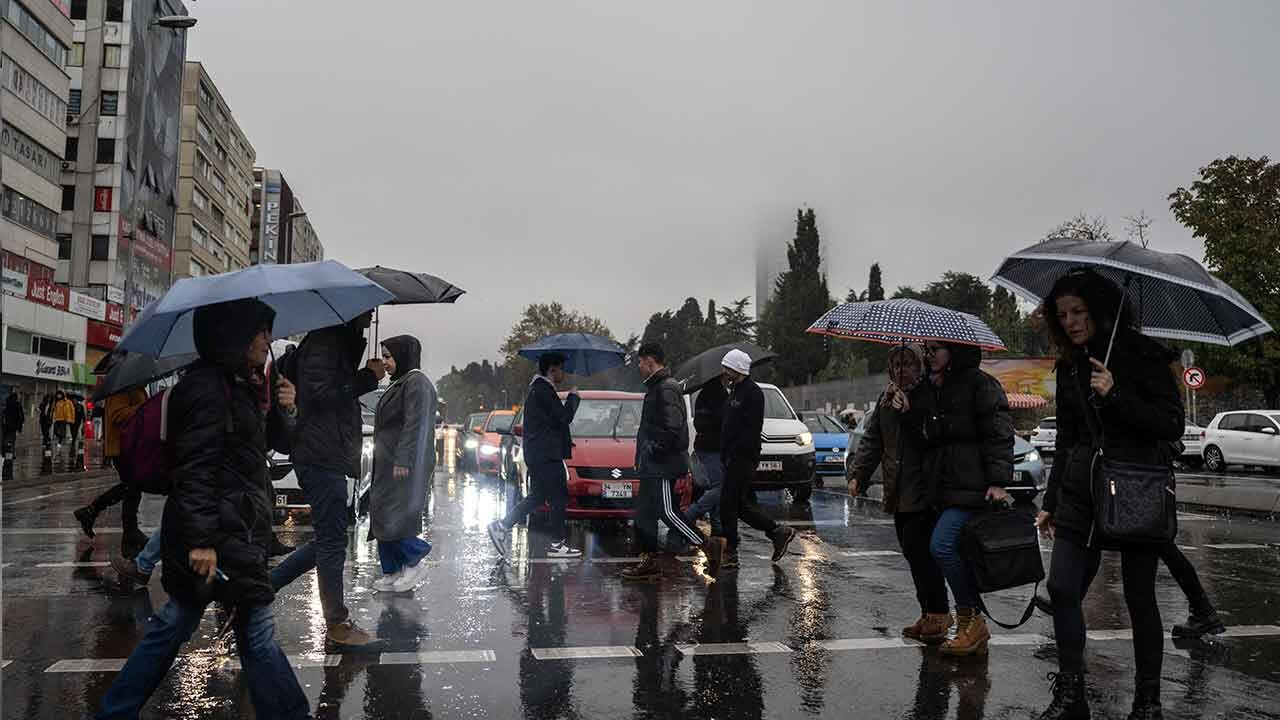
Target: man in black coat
740 443
326 451
14 416
547 444
217 519
662 458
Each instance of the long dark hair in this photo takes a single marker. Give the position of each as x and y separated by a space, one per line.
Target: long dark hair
1103 298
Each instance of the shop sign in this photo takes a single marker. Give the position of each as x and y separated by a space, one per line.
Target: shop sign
49 293
100 334
87 305
15 283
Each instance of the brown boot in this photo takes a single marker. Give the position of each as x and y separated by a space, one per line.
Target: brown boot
930 628
347 635
971 634
647 571
714 549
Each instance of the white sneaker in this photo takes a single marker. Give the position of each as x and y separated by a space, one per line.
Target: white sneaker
498 536
411 577
386 583
560 551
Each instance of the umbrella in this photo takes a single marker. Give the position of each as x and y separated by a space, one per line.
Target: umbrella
705 366
1174 296
1026 401
127 370
410 288
584 354
305 296
894 322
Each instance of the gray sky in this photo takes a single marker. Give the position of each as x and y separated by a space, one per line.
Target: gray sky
620 157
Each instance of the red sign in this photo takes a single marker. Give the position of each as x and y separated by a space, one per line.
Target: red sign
1194 378
115 314
99 334
48 293
102 199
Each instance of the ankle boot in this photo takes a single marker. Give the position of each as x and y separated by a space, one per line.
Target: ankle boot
1146 704
1069 702
971 634
87 516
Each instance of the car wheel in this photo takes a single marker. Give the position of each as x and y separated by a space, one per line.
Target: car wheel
802 493
1214 460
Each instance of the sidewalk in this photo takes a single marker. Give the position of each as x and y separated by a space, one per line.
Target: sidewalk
35 465
1254 495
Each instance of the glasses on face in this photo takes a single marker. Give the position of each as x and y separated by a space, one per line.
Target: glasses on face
931 350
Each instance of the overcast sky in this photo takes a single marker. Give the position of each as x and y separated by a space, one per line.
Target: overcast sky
621 156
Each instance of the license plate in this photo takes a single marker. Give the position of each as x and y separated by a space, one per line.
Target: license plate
769 466
282 500
1017 477
617 490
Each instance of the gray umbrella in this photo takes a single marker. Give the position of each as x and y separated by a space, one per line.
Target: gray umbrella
1174 296
706 365
127 370
411 288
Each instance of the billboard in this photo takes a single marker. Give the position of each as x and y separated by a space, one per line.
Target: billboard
1030 375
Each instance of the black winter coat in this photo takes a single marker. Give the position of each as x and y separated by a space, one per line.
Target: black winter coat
329 429
708 416
662 442
899 456
743 422
1140 417
546 423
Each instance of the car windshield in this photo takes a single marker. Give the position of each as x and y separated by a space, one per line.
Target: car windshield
476 420
500 423
607 418
775 405
823 424
1049 423
1276 417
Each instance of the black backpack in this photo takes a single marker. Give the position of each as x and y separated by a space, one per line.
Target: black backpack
1003 548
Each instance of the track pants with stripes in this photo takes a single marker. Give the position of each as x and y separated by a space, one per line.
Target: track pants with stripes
658 500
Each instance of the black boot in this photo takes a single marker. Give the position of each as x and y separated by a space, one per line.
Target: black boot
86 516
1069 702
1146 704
278 548
1198 624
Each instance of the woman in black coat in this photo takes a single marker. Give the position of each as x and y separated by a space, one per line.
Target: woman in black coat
1133 401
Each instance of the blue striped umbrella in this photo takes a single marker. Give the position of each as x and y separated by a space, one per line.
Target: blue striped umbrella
894 322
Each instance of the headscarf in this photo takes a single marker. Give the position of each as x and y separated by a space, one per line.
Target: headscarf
223 331
407 352
909 352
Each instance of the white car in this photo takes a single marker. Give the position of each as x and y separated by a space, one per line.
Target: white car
284 480
1045 437
1242 437
1193 445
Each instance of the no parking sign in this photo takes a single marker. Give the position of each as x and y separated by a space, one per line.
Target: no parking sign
1194 378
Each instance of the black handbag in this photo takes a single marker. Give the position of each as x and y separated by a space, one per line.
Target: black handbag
1132 502
1003 549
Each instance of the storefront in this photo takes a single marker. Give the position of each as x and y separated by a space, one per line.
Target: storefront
44 341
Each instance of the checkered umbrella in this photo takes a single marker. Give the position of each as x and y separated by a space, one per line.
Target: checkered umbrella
894 322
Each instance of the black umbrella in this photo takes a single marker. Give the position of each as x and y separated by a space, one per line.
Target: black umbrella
127 370
706 365
411 288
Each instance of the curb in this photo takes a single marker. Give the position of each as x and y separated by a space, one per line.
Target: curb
20 483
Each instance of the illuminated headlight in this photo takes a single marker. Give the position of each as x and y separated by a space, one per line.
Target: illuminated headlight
1032 457
368 447
488 449
471 444
804 438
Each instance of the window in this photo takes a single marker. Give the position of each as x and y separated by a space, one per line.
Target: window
79 9
64 247
115 10
216 179
1232 422
76 59
205 96
199 235
201 165
199 200
35 31
68 197
56 349
218 216
195 269
111 56
18 340
73 102
220 151
202 129
101 248
110 103
72 151
106 150
228 232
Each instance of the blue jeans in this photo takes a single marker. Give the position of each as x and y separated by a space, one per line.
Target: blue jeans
273 688
150 555
708 503
396 555
945 547
326 492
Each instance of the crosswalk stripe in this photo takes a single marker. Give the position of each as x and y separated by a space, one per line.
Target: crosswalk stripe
747 648
1236 546
93 563
582 653
87 665
117 531
867 644
298 661
871 553
437 657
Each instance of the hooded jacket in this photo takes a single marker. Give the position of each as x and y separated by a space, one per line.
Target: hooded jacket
221 496
403 436
887 445
662 442
743 423
13 414
708 416
329 429
64 410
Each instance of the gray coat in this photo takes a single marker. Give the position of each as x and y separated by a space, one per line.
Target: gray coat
403 434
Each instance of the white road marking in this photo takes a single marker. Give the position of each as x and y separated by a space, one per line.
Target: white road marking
437 657
871 553
298 661
1236 546
1109 634
1251 631
95 563
1019 639
583 653
8 503
867 644
747 648
94 665
116 530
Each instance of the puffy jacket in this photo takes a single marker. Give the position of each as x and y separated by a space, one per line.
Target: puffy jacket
64 411
119 408
899 456
546 423
662 442
329 431
708 416
1141 417
966 430
743 423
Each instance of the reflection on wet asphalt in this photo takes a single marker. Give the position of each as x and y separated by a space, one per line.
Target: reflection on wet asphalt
815 636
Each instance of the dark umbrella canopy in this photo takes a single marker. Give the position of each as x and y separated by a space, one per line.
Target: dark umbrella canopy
705 366
412 288
902 320
126 370
1174 296
584 354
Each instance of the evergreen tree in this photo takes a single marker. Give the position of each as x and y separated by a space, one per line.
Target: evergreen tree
800 297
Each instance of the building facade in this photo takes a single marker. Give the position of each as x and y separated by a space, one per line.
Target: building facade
215 183
282 231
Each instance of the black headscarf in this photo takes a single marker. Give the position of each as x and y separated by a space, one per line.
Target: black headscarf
407 352
223 331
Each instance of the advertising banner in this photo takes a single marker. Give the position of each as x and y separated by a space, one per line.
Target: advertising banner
48 293
88 306
15 283
115 314
99 334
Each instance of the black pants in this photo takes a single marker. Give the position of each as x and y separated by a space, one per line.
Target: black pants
1184 573
128 497
1071 571
657 500
548 483
915 530
738 501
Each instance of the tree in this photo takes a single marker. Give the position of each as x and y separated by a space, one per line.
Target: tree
1004 317
1235 208
1138 227
542 319
800 297
875 284
1082 227
736 322
959 291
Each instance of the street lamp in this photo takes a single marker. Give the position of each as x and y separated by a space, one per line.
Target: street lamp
174 22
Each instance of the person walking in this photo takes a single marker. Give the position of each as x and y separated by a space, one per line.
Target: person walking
14 418
64 415
1133 402
547 444
326 444
888 445
967 431
740 443
46 419
118 409
217 519
662 457
403 464
708 421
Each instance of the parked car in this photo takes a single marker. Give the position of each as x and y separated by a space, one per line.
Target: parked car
1242 437
1192 446
488 457
830 443
510 449
284 480
603 482
467 446
1045 436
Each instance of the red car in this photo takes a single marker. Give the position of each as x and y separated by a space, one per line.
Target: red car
603 482
487 454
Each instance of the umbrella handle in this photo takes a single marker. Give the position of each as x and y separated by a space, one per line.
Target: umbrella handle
1115 324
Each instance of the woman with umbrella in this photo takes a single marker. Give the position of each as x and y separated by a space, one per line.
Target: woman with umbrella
403 463
1133 402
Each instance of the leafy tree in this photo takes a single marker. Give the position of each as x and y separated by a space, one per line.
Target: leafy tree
1235 208
800 297
908 292
542 319
875 284
959 291
1004 317
736 322
1082 227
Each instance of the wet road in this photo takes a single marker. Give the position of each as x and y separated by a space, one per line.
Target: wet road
816 636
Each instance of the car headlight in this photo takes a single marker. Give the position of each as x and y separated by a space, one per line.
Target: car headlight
1032 457
471 444
487 449
368 447
804 438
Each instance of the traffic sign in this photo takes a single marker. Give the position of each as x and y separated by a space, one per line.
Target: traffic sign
1194 378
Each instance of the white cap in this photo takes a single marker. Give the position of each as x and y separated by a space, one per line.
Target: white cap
737 361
